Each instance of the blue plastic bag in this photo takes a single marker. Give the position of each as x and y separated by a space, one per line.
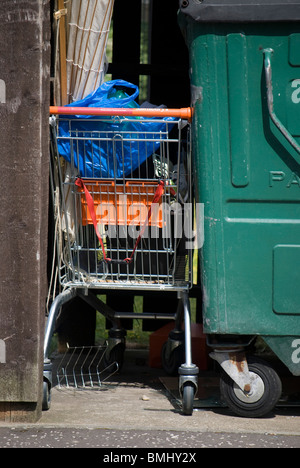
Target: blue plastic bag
101 147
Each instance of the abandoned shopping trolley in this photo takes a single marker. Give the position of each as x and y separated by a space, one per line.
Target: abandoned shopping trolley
122 197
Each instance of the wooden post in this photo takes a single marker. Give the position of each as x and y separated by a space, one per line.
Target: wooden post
24 129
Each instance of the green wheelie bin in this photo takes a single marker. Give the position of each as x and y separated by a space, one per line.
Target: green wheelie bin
245 82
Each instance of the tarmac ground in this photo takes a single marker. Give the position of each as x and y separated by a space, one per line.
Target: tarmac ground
141 407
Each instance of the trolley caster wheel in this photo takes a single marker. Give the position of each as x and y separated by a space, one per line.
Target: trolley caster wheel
115 356
188 394
46 397
265 391
171 360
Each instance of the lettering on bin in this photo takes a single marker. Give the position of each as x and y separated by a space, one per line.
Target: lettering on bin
289 180
296 353
296 92
2 352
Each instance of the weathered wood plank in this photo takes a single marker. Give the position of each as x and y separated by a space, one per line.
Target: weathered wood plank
24 70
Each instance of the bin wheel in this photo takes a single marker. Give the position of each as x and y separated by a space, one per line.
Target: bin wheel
46 397
116 355
188 394
265 393
172 362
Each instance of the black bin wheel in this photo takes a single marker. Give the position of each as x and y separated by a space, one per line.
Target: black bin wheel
264 395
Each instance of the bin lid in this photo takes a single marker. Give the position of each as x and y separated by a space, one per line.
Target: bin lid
241 10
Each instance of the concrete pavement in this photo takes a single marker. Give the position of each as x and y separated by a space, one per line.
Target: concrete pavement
140 401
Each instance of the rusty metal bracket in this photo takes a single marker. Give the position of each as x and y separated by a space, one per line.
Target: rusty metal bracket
59 13
234 363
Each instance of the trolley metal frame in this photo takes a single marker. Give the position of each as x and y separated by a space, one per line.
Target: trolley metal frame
124 231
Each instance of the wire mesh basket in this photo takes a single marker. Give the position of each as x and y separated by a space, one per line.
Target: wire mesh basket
126 230
84 367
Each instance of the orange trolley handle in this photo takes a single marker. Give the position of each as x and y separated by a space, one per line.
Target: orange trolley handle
184 113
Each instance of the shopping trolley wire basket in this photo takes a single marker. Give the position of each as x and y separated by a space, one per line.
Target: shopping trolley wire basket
125 229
